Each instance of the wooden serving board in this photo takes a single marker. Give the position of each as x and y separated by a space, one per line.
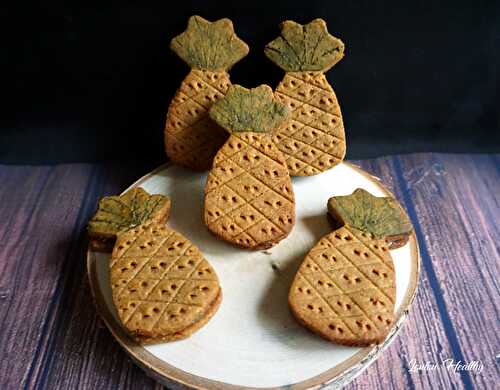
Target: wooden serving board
253 341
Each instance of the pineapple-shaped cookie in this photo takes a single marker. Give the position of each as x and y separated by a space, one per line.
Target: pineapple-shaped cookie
210 49
162 286
314 140
345 289
249 199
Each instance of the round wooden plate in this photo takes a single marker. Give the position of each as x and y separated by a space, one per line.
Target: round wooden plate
253 341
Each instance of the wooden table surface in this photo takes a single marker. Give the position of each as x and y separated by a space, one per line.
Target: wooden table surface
52 338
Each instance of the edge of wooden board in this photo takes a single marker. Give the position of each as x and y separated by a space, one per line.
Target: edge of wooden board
175 378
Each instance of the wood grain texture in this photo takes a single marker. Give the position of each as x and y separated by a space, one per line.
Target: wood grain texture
422 338
453 202
52 337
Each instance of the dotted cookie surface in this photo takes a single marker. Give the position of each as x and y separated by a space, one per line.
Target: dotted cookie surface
345 289
249 199
314 140
163 288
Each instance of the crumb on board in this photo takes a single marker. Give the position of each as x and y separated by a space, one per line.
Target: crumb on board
275 267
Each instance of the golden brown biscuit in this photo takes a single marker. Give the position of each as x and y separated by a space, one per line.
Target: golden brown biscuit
211 49
345 289
163 288
314 140
249 200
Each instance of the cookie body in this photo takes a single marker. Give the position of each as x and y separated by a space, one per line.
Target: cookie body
162 286
314 140
249 200
345 289
382 216
191 138
117 213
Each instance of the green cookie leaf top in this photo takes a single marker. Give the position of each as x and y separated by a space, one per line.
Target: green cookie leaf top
381 216
117 213
209 46
305 47
253 110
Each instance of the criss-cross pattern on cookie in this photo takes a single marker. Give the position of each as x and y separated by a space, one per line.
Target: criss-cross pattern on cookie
192 136
345 288
161 283
314 140
248 196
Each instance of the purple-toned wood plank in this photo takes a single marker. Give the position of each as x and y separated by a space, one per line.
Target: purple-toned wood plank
31 254
423 336
76 350
458 203
55 339
42 275
461 260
